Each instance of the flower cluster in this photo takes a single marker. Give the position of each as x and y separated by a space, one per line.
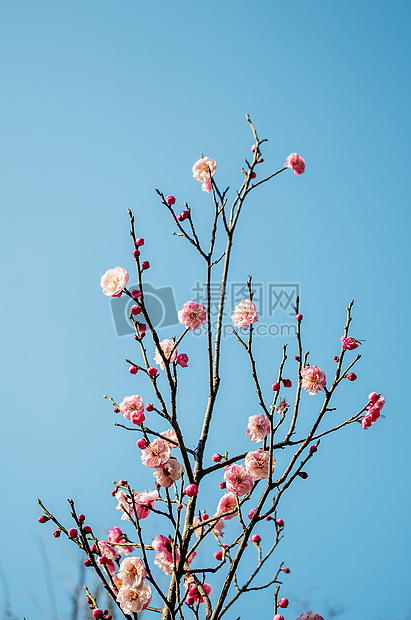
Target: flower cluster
132 408
376 403
134 594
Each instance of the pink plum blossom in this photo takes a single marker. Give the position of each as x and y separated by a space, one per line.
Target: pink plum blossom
257 464
349 343
310 615
258 427
373 410
282 406
132 572
156 454
170 434
313 379
238 480
114 281
218 528
194 595
132 600
244 314
144 501
296 163
108 550
182 360
227 503
203 169
164 557
116 538
167 346
168 473
132 408
192 315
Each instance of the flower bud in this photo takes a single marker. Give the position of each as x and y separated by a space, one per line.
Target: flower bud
180 218
256 538
136 253
278 617
336 358
253 147
191 490
135 309
216 457
218 555
303 475
286 571
253 175
170 200
139 241
133 370
373 397
97 614
280 522
152 372
276 387
222 485
287 383
351 376
313 449
145 265
81 518
185 214
135 293
283 602
299 317
149 407
57 534
87 529
72 533
88 563
116 410
43 519
141 443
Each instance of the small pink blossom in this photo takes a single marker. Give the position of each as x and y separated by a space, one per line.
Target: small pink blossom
182 360
258 427
132 408
156 454
349 343
114 281
134 600
164 557
170 434
167 346
218 528
203 169
116 538
108 550
282 406
192 315
257 464
373 410
310 615
144 501
227 503
244 314
296 163
168 473
194 595
313 379
238 480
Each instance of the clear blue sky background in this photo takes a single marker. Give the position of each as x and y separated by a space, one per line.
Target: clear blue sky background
103 101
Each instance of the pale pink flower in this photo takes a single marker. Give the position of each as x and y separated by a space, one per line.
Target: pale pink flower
310 615
192 315
218 528
203 170
313 379
258 427
244 314
156 454
170 434
296 163
125 503
282 406
132 408
167 346
199 531
238 479
349 343
116 538
132 572
257 464
168 473
144 501
227 503
114 281
134 601
108 550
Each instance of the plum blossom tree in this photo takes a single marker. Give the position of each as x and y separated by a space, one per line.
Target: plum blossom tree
128 563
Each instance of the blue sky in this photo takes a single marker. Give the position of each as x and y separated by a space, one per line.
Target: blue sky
101 103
